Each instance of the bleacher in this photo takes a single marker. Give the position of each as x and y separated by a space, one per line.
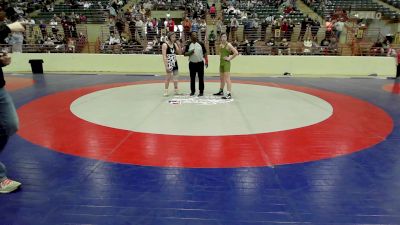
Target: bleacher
354 5
174 5
265 11
94 14
395 3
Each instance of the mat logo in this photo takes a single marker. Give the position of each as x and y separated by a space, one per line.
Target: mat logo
205 100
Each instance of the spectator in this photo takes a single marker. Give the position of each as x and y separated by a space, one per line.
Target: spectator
187 26
112 13
139 27
213 12
264 26
339 25
329 28
120 25
219 26
396 54
43 30
53 25
163 38
211 42
303 29
284 48
171 25
289 32
333 46
247 28
234 28
325 46
195 26
114 42
271 47
315 25
307 46
83 19
132 28
284 28
65 26
9 117
203 30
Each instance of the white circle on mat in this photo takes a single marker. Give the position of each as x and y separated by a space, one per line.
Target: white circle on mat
255 109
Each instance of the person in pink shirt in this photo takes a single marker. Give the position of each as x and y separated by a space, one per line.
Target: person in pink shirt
213 12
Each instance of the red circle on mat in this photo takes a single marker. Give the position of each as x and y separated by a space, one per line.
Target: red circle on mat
16 83
392 88
354 126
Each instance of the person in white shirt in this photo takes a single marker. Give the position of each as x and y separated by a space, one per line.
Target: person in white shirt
203 30
139 27
87 5
114 42
53 25
339 25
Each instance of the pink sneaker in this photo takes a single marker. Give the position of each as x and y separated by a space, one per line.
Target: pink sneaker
7 186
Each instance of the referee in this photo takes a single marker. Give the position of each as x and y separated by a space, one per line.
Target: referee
197 59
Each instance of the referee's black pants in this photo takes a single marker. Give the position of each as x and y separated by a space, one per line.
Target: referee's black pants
199 69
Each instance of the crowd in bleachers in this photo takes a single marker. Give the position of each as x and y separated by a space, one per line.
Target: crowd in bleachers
269 28
327 8
135 31
395 3
273 27
60 35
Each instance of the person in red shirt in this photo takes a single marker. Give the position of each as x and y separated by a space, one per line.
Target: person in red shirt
284 28
171 25
288 10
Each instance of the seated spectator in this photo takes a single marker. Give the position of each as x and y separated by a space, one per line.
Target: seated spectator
54 28
325 46
83 19
48 44
114 42
271 47
71 45
307 46
377 49
284 48
151 45
333 46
